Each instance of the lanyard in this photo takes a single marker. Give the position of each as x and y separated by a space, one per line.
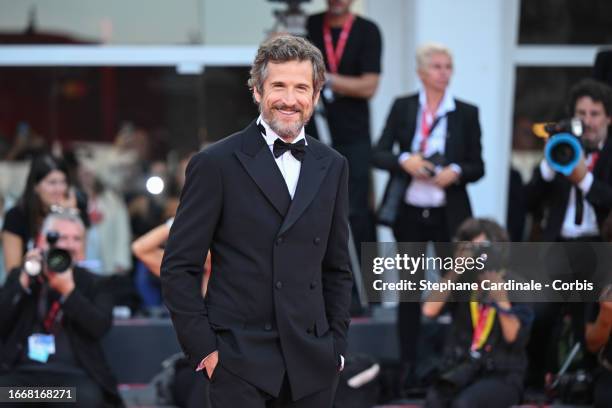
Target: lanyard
334 56
52 316
427 129
483 317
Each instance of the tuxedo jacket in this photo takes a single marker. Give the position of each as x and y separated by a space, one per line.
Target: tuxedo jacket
551 198
279 293
462 147
87 317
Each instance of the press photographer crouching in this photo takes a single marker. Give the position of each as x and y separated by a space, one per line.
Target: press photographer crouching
484 358
54 315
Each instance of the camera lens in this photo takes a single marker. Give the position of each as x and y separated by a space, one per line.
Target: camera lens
58 260
563 153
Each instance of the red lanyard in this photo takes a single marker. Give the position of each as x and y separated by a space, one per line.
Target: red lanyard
51 316
334 56
483 318
425 131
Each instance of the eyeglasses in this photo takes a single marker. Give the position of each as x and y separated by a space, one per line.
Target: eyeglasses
58 209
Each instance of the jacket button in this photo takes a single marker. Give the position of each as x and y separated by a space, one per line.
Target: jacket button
313 285
279 285
317 241
279 240
268 327
309 330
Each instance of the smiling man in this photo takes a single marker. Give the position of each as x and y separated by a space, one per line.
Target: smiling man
271 204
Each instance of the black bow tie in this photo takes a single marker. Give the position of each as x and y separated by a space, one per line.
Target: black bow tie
298 149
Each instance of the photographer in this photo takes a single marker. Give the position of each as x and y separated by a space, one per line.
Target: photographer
485 356
597 335
52 320
574 209
426 199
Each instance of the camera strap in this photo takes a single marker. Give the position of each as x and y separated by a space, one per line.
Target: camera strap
483 318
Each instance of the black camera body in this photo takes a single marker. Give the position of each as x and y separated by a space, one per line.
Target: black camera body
55 259
564 145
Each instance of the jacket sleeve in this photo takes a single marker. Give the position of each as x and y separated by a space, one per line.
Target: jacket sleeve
182 266
11 297
472 167
600 194
337 276
91 314
383 156
538 191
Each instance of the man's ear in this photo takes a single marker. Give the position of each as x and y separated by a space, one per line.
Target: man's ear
256 95
315 100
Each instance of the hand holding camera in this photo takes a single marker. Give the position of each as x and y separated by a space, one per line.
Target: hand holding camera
579 172
53 266
418 167
446 177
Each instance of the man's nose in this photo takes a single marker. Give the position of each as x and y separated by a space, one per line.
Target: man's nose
289 97
588 121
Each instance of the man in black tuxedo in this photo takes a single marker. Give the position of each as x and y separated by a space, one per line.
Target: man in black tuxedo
69 312
575 206
272 206
439 154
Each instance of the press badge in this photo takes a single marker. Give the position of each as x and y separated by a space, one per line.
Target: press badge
40 346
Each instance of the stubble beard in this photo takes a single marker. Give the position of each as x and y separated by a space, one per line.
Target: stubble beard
284 130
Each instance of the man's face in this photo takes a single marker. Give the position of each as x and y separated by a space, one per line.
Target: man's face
436 75
339 7
71 239
288 98
595 120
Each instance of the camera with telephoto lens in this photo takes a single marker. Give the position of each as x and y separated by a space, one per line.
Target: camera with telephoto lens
564 147
491 255
56 259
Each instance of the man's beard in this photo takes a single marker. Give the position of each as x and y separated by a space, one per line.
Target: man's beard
285 131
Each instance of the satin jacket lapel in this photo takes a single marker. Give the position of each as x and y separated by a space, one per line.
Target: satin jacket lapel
602 167
411 120
259 163
312 172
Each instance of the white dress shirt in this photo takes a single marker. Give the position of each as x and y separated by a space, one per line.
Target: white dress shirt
288 165
570 229
424 193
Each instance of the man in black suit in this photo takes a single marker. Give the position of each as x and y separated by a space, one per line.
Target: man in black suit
439 153
574 208
51 324
272 206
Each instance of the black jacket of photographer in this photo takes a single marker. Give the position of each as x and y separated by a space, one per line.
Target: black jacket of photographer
462 147
498 357
87 317
552 198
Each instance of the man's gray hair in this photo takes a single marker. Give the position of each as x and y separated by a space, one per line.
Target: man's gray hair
426 50
284 48
53 217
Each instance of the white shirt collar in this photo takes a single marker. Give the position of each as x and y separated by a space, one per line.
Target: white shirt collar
271 135
446 105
